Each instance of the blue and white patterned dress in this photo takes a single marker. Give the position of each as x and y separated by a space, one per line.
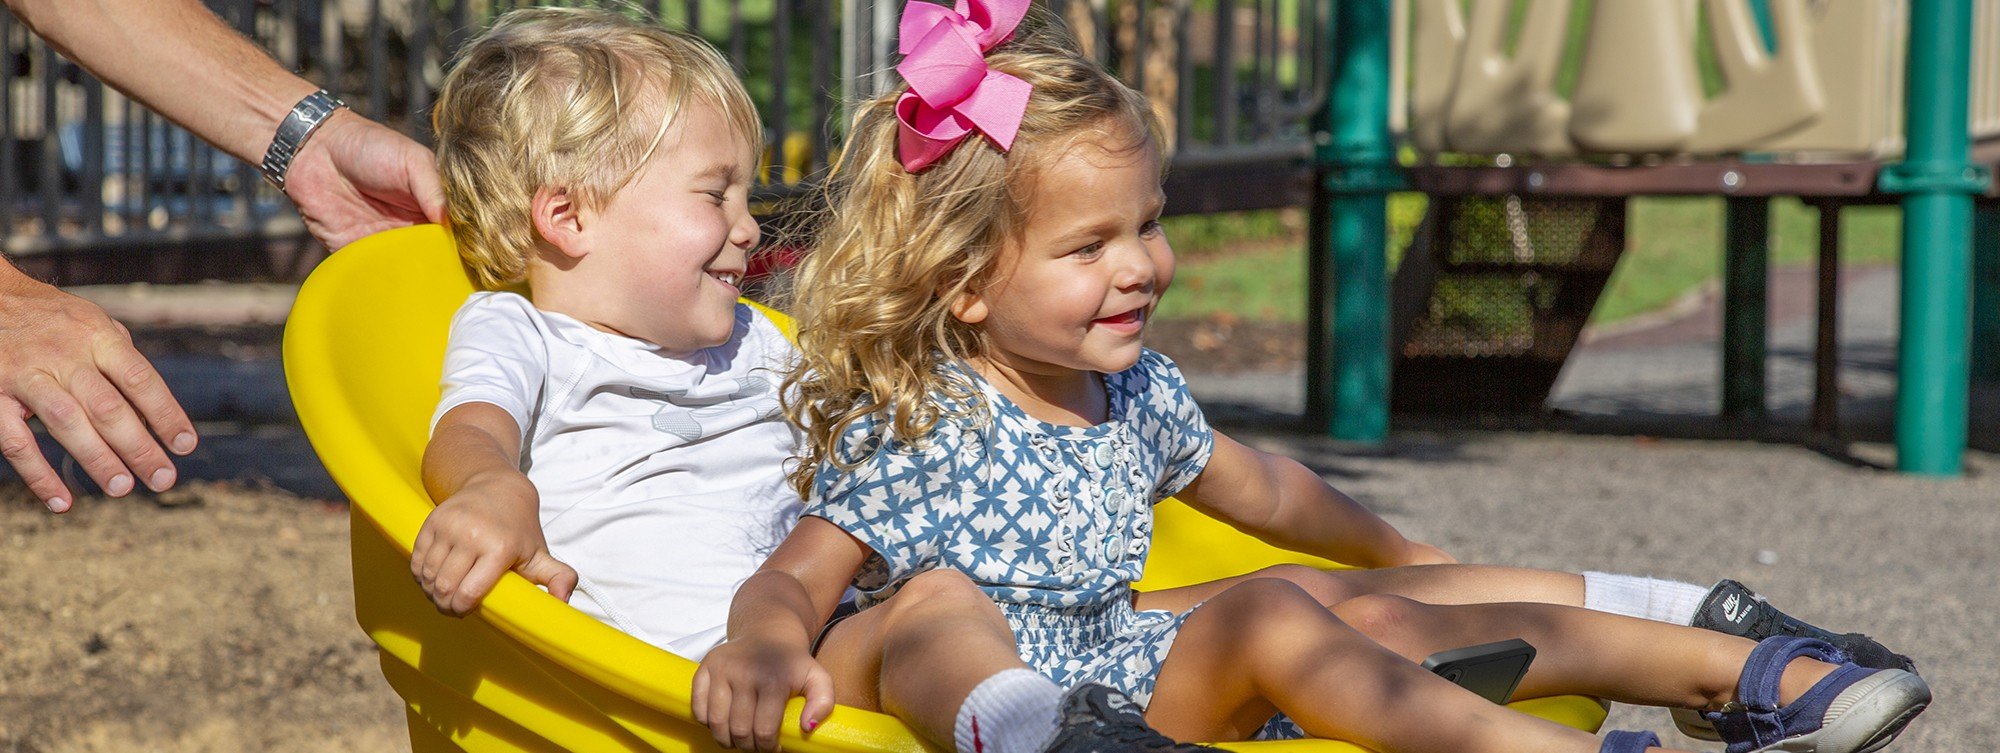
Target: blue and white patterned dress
1052 521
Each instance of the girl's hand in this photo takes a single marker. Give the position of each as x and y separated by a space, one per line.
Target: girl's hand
741 688
1420 553
490 526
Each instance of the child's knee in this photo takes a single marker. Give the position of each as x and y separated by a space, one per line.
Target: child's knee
938 590
1325 587
1379 616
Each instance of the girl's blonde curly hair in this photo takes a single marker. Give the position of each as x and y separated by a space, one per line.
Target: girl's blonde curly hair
874 297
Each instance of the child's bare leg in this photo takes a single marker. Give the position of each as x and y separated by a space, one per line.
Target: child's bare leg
1265 646
1431 584
1581 651
920 654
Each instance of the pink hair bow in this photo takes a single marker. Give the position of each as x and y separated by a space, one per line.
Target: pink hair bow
952 91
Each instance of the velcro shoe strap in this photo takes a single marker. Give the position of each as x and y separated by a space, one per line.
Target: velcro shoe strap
1628 742
1759 721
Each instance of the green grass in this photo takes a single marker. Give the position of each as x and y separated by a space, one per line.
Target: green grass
1251 266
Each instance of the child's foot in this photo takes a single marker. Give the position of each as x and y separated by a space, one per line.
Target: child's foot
1098 719
1629 742
1731 608
1853 710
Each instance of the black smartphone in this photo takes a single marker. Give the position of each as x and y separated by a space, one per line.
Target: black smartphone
1492 670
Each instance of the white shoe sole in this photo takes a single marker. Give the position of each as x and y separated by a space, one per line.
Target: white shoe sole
1864 717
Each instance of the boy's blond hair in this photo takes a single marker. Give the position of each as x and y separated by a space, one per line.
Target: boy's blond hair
574 98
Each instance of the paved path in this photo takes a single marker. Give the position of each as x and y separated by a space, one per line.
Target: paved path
1823 533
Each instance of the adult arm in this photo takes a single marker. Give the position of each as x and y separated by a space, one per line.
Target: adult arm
353 177
64 360
488 518
1282 502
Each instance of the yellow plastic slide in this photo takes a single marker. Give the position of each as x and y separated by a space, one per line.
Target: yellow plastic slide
363 351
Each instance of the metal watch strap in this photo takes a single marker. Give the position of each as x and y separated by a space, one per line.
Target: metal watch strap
299 124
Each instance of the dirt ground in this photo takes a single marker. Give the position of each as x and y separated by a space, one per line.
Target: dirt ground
217 618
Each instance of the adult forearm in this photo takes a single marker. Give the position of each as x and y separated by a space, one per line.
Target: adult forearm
155 51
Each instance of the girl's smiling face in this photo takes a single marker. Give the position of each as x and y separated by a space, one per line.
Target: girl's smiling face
1074 288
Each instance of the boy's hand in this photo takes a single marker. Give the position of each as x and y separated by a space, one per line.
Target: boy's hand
741 688
490 526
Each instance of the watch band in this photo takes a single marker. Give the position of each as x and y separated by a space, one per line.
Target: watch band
299 124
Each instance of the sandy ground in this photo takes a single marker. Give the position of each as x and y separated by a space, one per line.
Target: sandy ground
217 618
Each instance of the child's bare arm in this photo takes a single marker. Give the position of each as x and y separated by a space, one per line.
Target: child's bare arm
487 520
1280 501
741 688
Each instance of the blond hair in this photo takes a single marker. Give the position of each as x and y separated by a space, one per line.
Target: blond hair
575 98
874 297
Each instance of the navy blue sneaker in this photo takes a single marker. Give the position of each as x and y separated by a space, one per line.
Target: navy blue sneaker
1731 608
1098 719
1853 710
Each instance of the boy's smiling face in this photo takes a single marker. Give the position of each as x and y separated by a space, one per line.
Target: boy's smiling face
662 259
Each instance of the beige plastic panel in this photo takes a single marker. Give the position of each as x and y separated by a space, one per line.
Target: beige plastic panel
1986 70
1502 102
1833 87
1764 93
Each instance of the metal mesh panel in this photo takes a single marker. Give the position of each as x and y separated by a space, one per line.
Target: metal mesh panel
1499 289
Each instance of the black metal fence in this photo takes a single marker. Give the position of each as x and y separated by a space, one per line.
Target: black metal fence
82 169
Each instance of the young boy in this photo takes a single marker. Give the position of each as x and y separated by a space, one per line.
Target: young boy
616 436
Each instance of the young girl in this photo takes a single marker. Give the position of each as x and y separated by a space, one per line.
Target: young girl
975 397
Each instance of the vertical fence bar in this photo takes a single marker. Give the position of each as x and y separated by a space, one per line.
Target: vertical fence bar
246 177
1347 369
1826 348
417 90
10 169
1142 35
51 172
377 63
1185 86
823 84
1939 178
91 180
1986 292
328 52
1225 72
781 74
1745 305
738 41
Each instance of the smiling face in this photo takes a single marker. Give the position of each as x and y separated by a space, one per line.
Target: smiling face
661 259
1074 289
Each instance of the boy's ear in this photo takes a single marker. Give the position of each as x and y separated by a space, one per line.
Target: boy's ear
969 307
559 220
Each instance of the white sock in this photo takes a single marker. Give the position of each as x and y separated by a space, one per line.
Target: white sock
1011 712
1644 598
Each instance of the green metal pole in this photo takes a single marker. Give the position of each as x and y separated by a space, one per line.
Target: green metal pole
1746 296
1986 292
1939 179
1347 376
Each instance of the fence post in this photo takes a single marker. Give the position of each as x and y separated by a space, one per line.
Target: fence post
1939 179
1986 292
1746 296
1347 369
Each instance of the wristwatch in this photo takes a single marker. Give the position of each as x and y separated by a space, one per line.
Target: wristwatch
299 124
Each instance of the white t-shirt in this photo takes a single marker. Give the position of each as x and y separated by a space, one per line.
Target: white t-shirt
661 478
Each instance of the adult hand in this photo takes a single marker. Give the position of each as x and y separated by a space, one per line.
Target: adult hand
64 360
356 176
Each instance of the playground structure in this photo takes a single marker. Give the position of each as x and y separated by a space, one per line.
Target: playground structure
1533 124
